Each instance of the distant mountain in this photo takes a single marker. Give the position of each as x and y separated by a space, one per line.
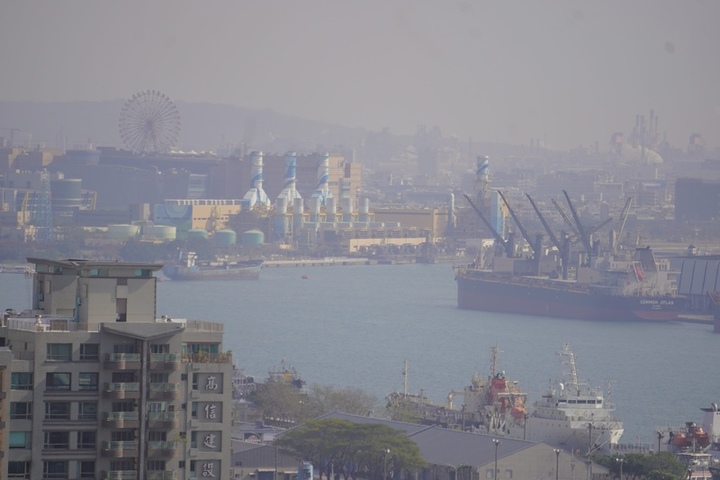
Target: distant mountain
204 127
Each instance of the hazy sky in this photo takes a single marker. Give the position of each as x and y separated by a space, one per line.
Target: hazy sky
566 72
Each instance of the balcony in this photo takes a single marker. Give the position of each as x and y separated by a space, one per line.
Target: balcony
122 361
121 420
120 450
120 475
122 391
164 391
161 475
163 420
162 449
164 361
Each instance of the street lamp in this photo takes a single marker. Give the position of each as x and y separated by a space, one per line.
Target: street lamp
620 460
387 452
557 462
497 444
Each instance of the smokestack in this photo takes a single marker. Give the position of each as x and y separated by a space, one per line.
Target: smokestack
365 210
331 209
347 204
451 215
281 224
289 190
322 191
256 194
298 218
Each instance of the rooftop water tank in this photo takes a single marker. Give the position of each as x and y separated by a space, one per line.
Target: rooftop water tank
225 238
252 238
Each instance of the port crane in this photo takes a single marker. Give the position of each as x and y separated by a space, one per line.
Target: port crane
535 244
508 245
621 225
584 235
563 245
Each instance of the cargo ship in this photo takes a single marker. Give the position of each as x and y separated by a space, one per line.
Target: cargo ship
490 404
634 289
188 267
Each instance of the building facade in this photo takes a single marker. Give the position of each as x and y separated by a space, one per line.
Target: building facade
100 388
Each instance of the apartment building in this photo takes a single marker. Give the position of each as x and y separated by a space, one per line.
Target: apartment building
100 388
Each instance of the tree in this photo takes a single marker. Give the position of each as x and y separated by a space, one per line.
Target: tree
352 449
325 399
282 404
657 466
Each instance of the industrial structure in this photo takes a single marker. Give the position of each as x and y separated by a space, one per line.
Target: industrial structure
97 386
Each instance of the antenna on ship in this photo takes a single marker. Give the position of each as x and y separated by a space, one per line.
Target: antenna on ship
567 352
493 360
405 378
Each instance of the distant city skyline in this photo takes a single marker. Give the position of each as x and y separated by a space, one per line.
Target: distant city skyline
559 72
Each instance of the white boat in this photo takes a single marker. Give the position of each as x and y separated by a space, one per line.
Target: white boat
572 415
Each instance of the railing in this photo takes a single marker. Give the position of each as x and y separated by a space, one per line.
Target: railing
164 387
162 416
204 326
122 387
161 474
120 445
202 357
122 357
122 416
162 445
164 358
120 475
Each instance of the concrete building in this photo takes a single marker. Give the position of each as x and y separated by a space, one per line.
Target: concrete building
99 387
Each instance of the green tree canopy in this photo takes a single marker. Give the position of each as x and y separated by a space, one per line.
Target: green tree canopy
353 450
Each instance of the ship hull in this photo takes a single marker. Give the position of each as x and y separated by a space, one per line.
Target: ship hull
555 299
245 271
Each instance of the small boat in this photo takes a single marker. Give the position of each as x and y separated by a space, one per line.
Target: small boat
305 277
188 267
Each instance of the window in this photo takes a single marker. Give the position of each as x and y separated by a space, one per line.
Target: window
18 469
57 381
159 348
88 381
21 381
123 406
156 465
122 436
59 351
20 410
87 411
86 440
20 440
89 351
201 348
86 469
55 469
57 440
57 410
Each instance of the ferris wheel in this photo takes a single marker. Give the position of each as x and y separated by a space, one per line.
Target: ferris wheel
149 122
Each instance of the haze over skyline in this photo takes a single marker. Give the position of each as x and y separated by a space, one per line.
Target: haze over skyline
563 72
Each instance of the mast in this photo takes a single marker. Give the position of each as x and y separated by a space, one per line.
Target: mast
405 378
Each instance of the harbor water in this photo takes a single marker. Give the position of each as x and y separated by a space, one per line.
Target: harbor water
355 326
